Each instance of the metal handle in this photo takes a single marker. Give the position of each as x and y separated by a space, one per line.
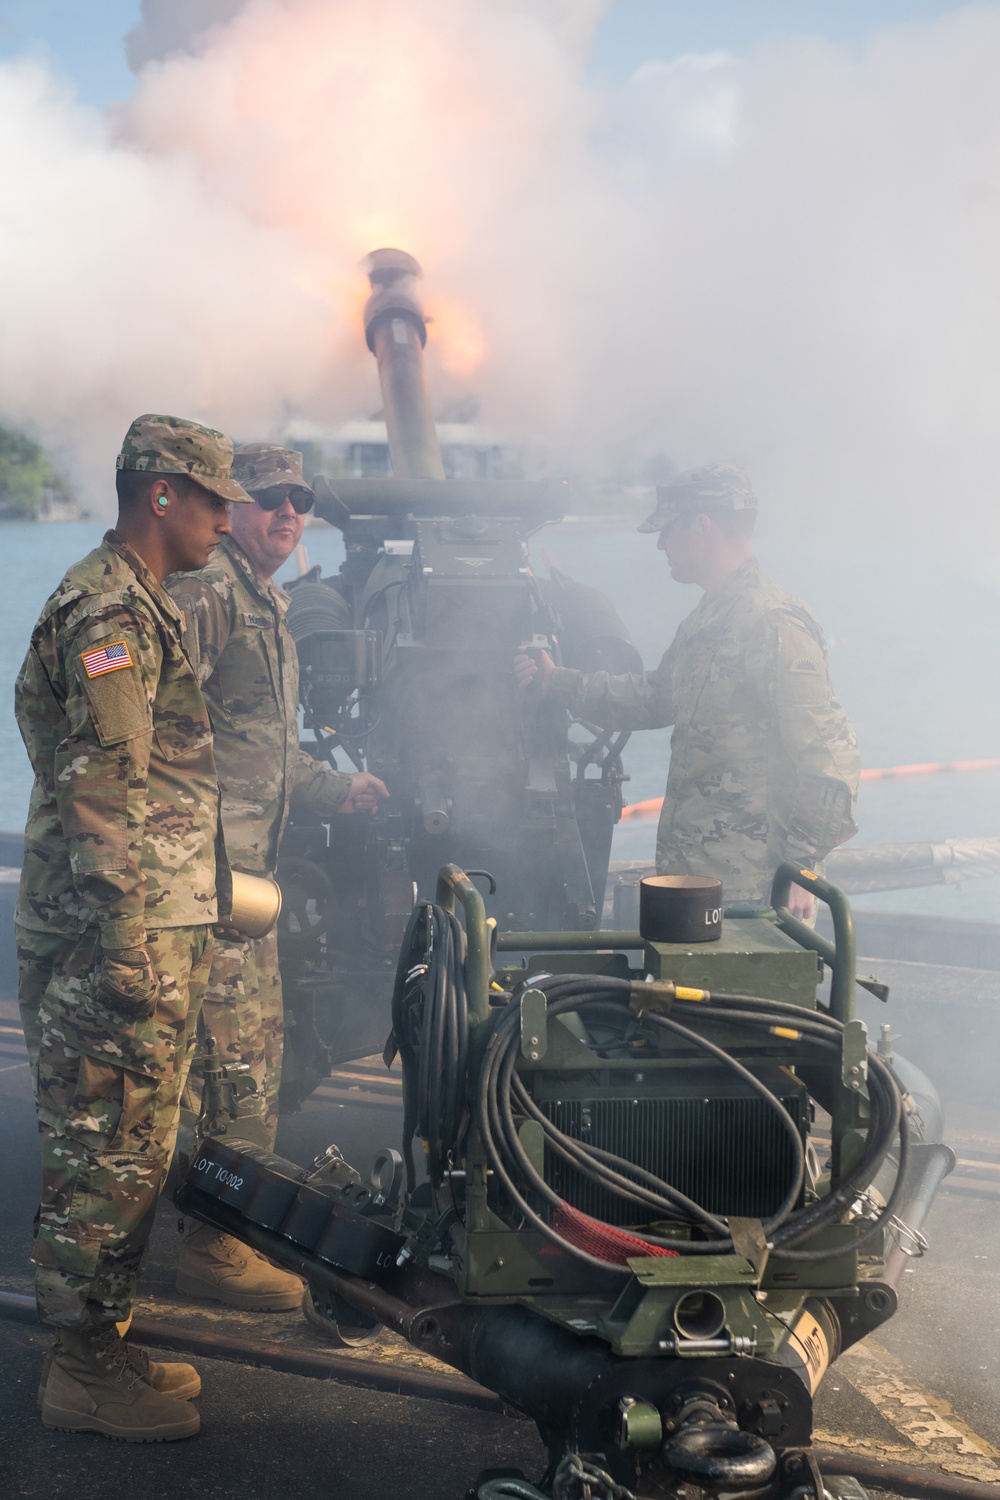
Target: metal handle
842 958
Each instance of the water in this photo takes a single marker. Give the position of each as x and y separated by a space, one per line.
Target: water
914 652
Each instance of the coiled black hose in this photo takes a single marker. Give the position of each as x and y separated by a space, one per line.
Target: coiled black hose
606 1001
430 1030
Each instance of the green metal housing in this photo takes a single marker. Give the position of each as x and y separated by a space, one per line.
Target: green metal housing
681 1116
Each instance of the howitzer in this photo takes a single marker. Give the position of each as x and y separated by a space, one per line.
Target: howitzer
664 1185
406 669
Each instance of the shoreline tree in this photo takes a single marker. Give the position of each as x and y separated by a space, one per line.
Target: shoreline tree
30 483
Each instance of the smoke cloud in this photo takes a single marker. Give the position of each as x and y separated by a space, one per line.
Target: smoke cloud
786 259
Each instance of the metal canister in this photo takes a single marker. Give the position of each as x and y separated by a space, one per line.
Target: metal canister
680 909
256 904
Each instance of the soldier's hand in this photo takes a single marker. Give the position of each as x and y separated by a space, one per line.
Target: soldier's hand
801 903
536 668
365 794
127 982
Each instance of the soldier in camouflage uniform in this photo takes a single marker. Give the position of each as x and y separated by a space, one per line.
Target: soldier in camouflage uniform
248 666
764 764
114 916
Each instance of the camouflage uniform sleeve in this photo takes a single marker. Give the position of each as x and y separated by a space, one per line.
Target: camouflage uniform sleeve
815 803
634 700
316 787
112 665
207 621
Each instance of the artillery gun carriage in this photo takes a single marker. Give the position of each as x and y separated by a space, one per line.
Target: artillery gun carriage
406 670
664 1184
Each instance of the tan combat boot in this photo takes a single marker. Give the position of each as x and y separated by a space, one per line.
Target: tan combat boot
175 1379
214 1267
93 1386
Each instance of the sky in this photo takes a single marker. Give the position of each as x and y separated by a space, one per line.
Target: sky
84 39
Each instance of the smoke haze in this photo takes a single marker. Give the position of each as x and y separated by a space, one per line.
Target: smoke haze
787 259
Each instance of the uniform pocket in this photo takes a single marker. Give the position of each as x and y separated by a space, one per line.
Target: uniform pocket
90 1029
95 819
107 1108
244 679
181 724
100 1089
97 1075
173 741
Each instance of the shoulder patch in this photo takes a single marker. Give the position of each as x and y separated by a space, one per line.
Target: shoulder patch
118 702
799 615
110 658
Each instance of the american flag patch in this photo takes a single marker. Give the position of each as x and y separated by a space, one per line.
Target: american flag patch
106 659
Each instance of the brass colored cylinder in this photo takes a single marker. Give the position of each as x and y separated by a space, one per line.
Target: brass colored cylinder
256 905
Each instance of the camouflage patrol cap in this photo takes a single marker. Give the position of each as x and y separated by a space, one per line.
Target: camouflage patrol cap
261 466
171 445
713 487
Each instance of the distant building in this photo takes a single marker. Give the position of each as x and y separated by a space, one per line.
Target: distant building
58 505
470 450
360 449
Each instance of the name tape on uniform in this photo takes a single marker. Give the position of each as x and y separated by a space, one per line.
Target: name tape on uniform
107 659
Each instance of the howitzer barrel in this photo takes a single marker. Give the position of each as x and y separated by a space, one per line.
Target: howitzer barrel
396 333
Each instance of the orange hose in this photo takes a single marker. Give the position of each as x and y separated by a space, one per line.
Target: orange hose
650 808
930 768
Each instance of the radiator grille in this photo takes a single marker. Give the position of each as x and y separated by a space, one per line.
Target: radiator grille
729 1152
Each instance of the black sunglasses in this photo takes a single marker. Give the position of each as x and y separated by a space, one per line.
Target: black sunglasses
270 499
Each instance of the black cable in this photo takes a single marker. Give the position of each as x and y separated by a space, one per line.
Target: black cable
401 1037
885 1124
431 1030
669 1202
394 583
663 1197
629 1180
430 1020
488 1122
604 999
887 1121
362 734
